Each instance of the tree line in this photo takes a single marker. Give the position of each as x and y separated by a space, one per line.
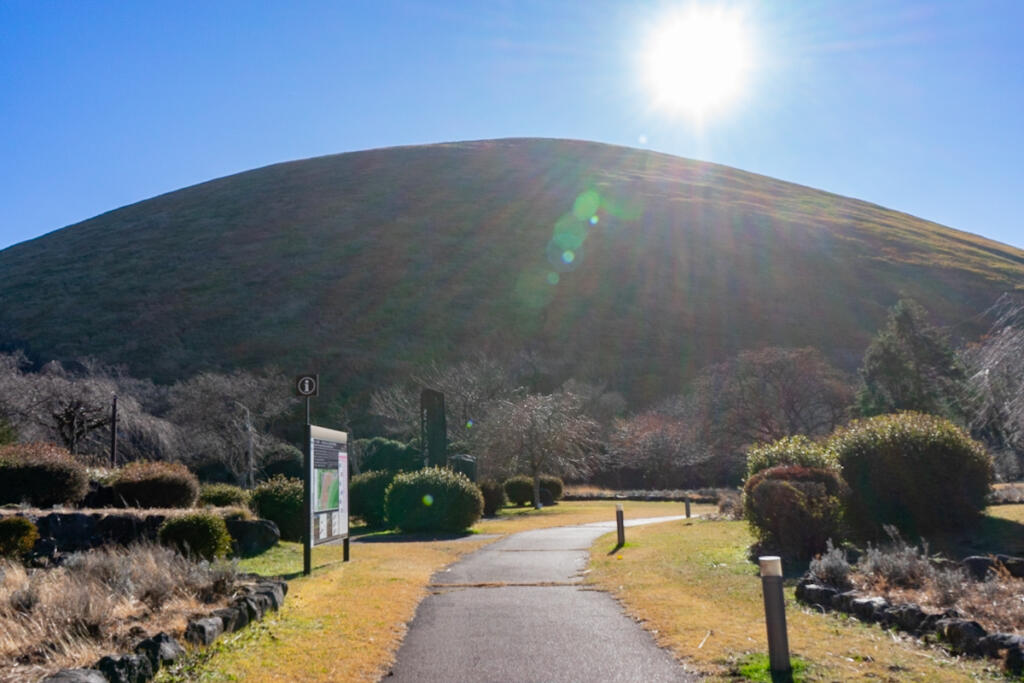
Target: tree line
509 414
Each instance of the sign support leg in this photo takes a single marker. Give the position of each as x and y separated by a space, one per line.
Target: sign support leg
307 502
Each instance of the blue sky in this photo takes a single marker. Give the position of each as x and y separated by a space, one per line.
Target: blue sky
916 106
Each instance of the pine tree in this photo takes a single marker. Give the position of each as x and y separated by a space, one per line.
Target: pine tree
910 365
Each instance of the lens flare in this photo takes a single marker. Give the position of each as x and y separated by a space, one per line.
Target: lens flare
428 500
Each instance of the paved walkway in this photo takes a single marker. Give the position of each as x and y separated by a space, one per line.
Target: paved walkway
516 610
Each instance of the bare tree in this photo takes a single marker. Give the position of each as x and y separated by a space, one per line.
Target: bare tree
996 385
469 387
224 418
72 406
764 395
538 434
659 450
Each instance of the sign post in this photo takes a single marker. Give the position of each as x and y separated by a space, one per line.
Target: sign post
307 386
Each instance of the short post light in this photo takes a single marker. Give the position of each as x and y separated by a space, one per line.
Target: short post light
775 613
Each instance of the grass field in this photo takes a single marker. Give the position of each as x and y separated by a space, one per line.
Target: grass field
692 585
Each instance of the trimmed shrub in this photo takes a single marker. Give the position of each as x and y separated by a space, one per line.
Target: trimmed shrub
155 485
40 474
199 534
366 496
214 471
236 513
519 489
794 510
283 459
790 450
379 453
433 499
553 485
17 536
919 473
223 495
494 496
279 499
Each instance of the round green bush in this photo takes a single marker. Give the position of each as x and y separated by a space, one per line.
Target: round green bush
222 495
519 489
791 450
433 499
236 513
279 499
793 510
366 496
554 485
283 459
155 485
494 496
17 536
200 534
917 472
41 474
379 453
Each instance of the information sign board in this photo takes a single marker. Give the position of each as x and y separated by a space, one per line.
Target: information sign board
328 479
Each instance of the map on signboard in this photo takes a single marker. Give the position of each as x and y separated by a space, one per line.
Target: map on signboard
327 489
327 455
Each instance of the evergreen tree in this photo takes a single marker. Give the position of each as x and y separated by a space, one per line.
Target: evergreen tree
910 365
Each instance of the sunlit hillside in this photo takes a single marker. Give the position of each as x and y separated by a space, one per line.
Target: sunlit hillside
611 263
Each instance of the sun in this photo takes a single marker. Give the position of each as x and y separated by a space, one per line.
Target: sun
696 61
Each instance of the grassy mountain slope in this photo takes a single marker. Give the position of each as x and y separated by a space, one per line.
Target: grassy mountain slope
360 265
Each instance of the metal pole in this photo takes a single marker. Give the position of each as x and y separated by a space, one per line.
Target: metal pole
620 525
307 502
775 613
113 433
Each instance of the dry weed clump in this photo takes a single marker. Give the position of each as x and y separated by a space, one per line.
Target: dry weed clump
99 602
1006 494
904 573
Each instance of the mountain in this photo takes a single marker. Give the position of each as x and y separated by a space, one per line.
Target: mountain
611 263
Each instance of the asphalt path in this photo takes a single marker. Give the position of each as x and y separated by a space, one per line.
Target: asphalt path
517 610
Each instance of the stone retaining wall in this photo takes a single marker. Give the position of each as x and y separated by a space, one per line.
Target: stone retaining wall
149 655
952 627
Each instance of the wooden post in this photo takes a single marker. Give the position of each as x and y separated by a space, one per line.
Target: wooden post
113 433
775 614
687 508
620 525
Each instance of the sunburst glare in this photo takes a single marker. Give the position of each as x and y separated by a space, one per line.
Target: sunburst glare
696 60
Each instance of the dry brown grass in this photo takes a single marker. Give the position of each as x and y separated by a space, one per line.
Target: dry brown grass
99 602
692 585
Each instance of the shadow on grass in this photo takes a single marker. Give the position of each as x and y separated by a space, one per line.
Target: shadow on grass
396 537
993 535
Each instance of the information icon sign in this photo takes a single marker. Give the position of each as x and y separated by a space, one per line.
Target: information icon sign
307 385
